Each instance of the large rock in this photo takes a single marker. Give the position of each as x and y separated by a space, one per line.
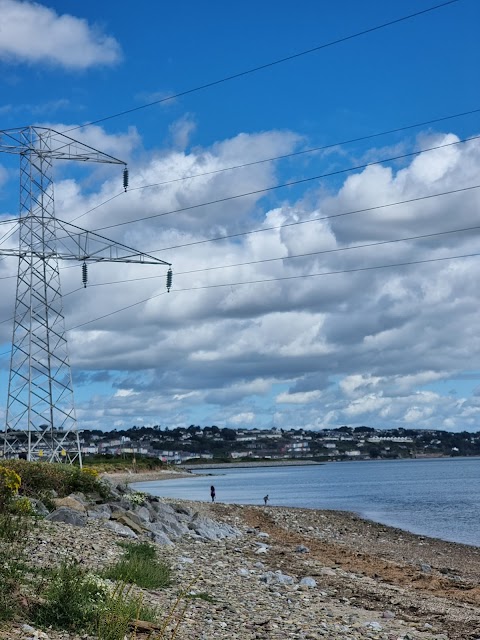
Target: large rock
145 513
123 516
38 507
160 538
71 503
69 516
171 527
99 512
121 529
211 530
163 509
131 524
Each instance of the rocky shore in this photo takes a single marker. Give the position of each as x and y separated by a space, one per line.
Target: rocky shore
260 573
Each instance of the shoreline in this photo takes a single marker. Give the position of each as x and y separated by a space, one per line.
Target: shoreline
370 581
121 477
173 475
367 581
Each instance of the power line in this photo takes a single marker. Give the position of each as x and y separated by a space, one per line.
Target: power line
301 222
310 220
423 236
101 205
304 151
268 280
300 255
288 184
269 64
284 156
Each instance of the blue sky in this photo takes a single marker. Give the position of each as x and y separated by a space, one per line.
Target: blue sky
384 348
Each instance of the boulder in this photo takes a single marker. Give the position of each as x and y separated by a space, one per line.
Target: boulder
131 516
145 513
163 509
160 538
99 512
127 521
121 529
171 527
38 507
69 516
211 530
70 502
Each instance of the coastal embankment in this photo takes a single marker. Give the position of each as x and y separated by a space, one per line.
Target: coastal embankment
286 573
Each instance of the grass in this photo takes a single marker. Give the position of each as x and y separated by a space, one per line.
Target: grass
140 566
13 566
69 597
122 608
12 575
76 600
70 600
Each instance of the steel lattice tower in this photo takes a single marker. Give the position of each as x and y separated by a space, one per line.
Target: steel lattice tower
40 417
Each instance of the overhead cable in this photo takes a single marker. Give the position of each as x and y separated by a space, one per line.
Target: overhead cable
290 183
268 65
268 280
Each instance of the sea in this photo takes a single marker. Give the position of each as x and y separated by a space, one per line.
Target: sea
435 497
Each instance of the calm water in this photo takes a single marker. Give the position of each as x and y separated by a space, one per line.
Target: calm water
435 497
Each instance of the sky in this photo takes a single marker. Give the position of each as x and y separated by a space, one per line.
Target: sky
277 317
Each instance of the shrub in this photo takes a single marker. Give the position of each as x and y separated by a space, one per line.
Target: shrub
136 497
71 599
77 600
120 611
140 566
9 485
40 478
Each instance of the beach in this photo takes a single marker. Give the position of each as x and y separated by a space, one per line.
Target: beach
145 476
293 573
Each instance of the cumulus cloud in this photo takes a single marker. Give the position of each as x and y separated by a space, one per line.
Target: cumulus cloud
254 331
33 33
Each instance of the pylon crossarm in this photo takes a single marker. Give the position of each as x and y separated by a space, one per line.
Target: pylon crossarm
43 142
82 245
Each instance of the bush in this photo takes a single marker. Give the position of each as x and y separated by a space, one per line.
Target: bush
9 485
71 599
121 609
77 600
40 478
140 566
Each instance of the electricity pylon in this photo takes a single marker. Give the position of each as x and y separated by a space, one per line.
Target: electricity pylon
41 421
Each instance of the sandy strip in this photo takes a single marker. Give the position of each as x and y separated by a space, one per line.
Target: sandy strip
145 476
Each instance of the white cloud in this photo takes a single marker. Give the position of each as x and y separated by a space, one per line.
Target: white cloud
33 33
362 347
181 130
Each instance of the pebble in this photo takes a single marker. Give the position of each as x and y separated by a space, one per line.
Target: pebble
276 599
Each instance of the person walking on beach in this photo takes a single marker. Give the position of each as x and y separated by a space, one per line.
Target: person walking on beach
212 493
265 499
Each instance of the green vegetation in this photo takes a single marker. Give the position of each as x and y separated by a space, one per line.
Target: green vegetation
140 566
77 600
68 597
110 463
120 610
38 479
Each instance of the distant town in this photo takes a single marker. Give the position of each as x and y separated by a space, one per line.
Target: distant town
195 444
